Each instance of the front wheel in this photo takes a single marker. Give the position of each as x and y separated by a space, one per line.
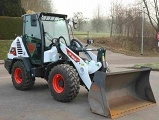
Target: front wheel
64 83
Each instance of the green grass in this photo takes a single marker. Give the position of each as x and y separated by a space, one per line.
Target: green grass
90 35
154 66
4 48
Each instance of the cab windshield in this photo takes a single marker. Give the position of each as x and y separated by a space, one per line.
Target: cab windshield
54 27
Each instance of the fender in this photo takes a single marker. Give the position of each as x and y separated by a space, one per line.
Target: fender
8 63
50 66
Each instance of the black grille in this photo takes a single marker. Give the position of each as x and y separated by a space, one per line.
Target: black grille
19 48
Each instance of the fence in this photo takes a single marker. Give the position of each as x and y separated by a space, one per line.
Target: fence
82 34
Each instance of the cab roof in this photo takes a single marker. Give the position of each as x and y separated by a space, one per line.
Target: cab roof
47 14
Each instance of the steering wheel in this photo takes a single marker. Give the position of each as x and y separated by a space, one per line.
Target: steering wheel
53 42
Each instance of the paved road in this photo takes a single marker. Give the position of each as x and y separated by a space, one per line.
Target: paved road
38 104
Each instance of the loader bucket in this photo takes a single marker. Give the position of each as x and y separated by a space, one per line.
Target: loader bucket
120 93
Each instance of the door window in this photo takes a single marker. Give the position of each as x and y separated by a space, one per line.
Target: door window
33 38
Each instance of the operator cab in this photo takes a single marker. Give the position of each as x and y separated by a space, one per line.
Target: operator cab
40 32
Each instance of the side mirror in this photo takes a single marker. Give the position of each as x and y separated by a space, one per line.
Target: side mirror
74 24
90 41
68 21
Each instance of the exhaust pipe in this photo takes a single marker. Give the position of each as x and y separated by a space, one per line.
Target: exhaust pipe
120 93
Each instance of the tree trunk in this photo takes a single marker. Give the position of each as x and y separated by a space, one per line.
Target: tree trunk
111 27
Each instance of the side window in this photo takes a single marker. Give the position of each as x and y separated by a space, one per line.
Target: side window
32 28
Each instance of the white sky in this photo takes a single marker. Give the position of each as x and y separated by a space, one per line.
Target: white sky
87 7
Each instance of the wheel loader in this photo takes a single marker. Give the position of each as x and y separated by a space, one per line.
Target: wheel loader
47 50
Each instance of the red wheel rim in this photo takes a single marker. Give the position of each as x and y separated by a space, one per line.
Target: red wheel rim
58 83
18 75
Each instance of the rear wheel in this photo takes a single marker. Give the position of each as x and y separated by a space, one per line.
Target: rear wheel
64 83
20 78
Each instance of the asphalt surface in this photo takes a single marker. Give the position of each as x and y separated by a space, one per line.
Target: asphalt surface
38 104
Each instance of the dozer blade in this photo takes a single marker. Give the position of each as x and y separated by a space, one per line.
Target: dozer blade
120 93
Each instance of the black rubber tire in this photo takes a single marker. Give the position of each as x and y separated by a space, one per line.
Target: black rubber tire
27 82
71 83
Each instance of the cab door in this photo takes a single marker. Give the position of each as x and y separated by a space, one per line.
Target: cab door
33 38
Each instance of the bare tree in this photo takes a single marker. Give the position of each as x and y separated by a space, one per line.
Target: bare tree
125 20
154 18
38 5
78 16
112 18
133 23
98 21
119 18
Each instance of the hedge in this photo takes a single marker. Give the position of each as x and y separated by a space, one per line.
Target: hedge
9 26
